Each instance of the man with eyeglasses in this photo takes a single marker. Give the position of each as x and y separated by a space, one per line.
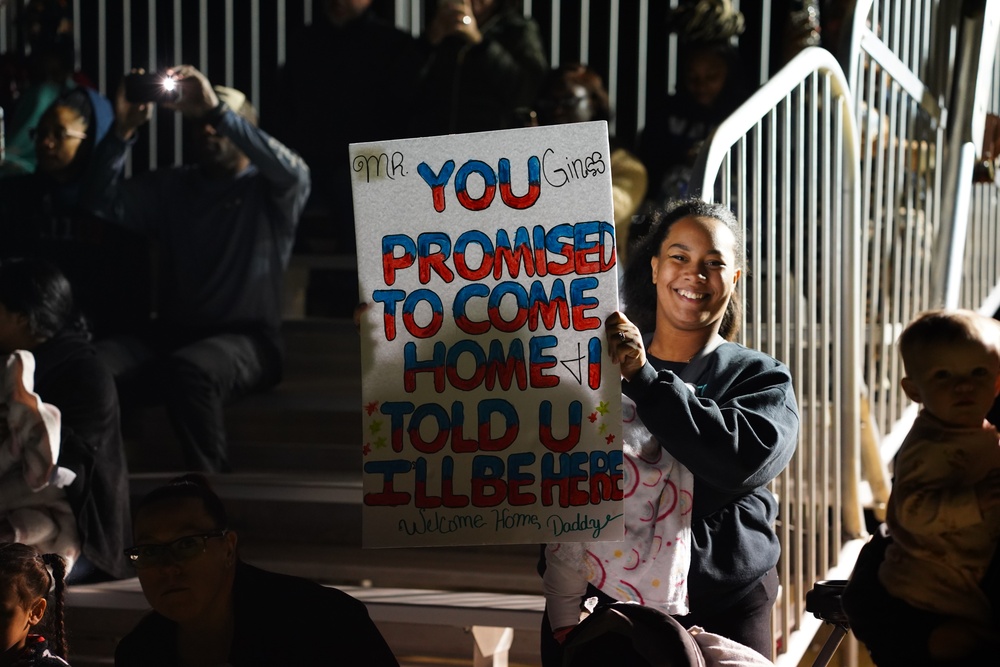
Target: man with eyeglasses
212 608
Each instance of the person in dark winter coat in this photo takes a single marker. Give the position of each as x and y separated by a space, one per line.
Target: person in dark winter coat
37 314
485 62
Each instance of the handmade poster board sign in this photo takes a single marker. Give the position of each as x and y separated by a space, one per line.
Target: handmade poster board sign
491 411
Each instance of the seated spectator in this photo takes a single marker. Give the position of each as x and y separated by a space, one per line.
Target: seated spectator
37 314
31 81
23 602
40 216
484 62
710 89
212 608
711 85
225 228
574 93
384 63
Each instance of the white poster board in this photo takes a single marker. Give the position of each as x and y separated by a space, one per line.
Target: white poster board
491 411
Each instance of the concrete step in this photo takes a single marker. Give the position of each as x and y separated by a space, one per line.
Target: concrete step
310 421
503 568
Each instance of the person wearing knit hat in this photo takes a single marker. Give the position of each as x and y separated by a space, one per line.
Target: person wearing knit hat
225 228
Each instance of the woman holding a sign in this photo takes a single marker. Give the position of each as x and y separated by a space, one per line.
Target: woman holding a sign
716 418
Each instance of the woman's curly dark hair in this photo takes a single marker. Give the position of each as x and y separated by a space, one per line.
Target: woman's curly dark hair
638 290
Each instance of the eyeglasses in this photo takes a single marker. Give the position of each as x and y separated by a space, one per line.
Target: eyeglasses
60 134
180 550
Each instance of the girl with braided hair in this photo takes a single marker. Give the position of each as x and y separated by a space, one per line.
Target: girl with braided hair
26 581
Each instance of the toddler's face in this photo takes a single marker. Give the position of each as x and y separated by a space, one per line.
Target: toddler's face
956 382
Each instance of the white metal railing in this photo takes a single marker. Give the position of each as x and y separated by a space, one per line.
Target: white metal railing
902 169
909 240
786 164
981 261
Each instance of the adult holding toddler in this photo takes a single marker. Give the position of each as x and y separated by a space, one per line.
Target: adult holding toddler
717 411
942 569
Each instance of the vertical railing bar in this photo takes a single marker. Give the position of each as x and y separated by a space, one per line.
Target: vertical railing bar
842 239
878 287
554 35
281 33
613 62
642 73
417 17
230 45
809 318
585 32
837 326
203 37
793 318
127 59
893 287
869 233
783 256
152 66
780 251
766 276
178 59
757 220
255 52
829 219
77 37
5 28
307 12
765 36
672 57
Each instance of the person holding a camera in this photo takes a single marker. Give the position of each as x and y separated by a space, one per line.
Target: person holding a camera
224 228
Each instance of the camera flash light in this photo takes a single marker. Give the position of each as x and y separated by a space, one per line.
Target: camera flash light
169 84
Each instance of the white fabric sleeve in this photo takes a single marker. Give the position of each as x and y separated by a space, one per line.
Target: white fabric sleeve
564 588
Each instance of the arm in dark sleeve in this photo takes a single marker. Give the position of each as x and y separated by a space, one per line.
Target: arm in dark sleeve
513 61
88 404
105 193
738 440
283 168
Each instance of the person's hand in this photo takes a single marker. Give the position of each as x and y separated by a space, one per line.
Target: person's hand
624 344
988 491
561 633
454 18
130 116
195 95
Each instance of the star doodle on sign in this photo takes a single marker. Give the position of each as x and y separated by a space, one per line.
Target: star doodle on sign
610 438
592 417
380 442
603 407
602 428
375 426
367 449
371 407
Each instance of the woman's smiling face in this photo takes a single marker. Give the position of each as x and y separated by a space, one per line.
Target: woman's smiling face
695 274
